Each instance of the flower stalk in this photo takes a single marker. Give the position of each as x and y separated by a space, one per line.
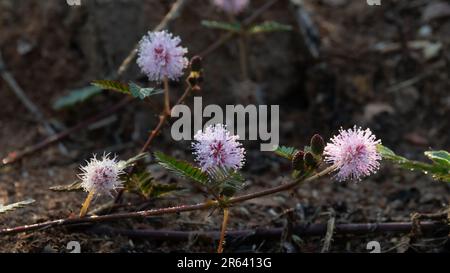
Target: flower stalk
226 213
166 96
86 203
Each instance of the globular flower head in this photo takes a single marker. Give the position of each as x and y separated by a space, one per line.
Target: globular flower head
232 6
217 148
354 153
101 176
160 55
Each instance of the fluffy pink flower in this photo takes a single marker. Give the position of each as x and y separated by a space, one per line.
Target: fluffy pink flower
354 153
217 148
101 176
160 56
232 6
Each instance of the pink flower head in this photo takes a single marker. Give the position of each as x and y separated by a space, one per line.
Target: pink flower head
160 56
217 148
232 6
101 176
354 153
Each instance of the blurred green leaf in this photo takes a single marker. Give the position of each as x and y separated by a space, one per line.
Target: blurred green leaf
233 27
14 206
112 85
269 26
182 168
439 169
286 152
388 154
441 163
142 93
441 158
76 96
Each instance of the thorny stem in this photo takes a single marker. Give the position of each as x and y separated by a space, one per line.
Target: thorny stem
226 213
163 211
162 119
280 188
86 204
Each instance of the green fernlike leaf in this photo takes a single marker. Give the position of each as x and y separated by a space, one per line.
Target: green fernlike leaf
76 96
18 205
145 184
286 152
226 181
439 169
182 168
233 27
269 26
142 93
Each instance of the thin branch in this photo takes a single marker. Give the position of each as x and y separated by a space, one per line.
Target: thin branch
176 9
272 233
163 211
258 12
163 117
17 155
26 101
225 37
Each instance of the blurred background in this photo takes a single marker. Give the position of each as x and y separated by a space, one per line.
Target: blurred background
343 63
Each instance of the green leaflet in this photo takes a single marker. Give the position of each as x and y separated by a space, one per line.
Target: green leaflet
233 27
182 168
286 152
142 93
144 183
439 169
269 26
131 89
112 85
226 181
